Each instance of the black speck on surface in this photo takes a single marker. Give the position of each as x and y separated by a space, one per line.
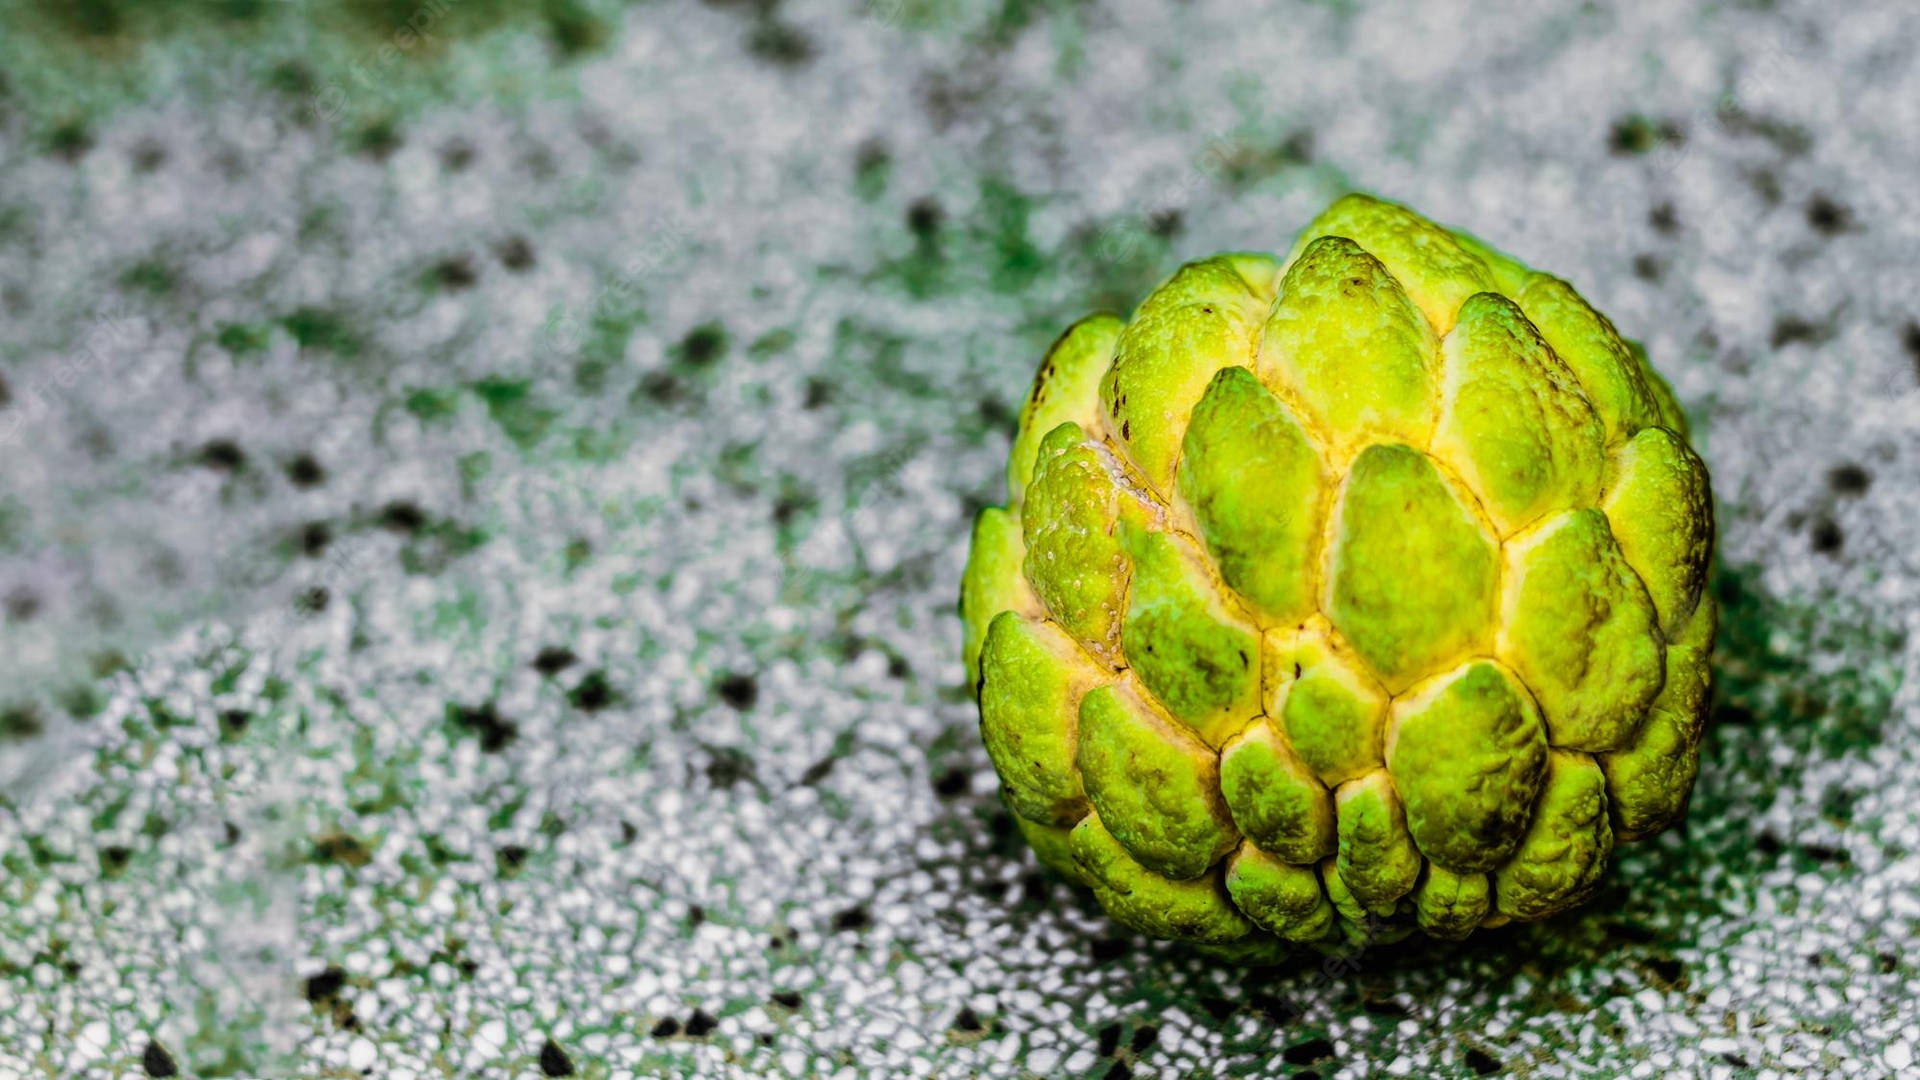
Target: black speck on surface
701 1024
313 600
314 538
666 1028
592 693
224 455
1664 219
788 999
156 1062
1109 1040
1648 267
1481 1062
780 44
1119 1071
325 985
924 216
703 345
1824 853
1767 843
855 918
1308 1052
484 720
1108 949
456 272
1792 330
1217 1007
968 1020
554 659
1666 969
738 689
515 253
304 471
1275 1009
1849 479
728 765
1910 340
1826 537
1144 1037
234 721
1828 217
509 859
402 516
953 783
554 1061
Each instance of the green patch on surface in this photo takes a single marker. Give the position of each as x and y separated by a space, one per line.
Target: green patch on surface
244 339
319 328
430 405
519 412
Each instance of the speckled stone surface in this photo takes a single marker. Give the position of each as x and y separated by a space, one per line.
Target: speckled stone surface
481 515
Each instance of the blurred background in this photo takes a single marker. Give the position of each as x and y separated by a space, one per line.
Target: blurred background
483 486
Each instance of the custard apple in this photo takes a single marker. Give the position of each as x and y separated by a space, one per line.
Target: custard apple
1344 594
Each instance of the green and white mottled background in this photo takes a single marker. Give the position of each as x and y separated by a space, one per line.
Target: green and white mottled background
483 486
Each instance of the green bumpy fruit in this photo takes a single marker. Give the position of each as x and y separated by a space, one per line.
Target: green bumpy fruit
1344 595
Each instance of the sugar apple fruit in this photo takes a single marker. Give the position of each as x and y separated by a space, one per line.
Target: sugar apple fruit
1343 594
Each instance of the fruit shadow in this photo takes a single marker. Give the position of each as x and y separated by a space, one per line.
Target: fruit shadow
1815 678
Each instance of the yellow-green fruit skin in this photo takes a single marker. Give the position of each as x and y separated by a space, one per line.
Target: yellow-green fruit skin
1346 594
